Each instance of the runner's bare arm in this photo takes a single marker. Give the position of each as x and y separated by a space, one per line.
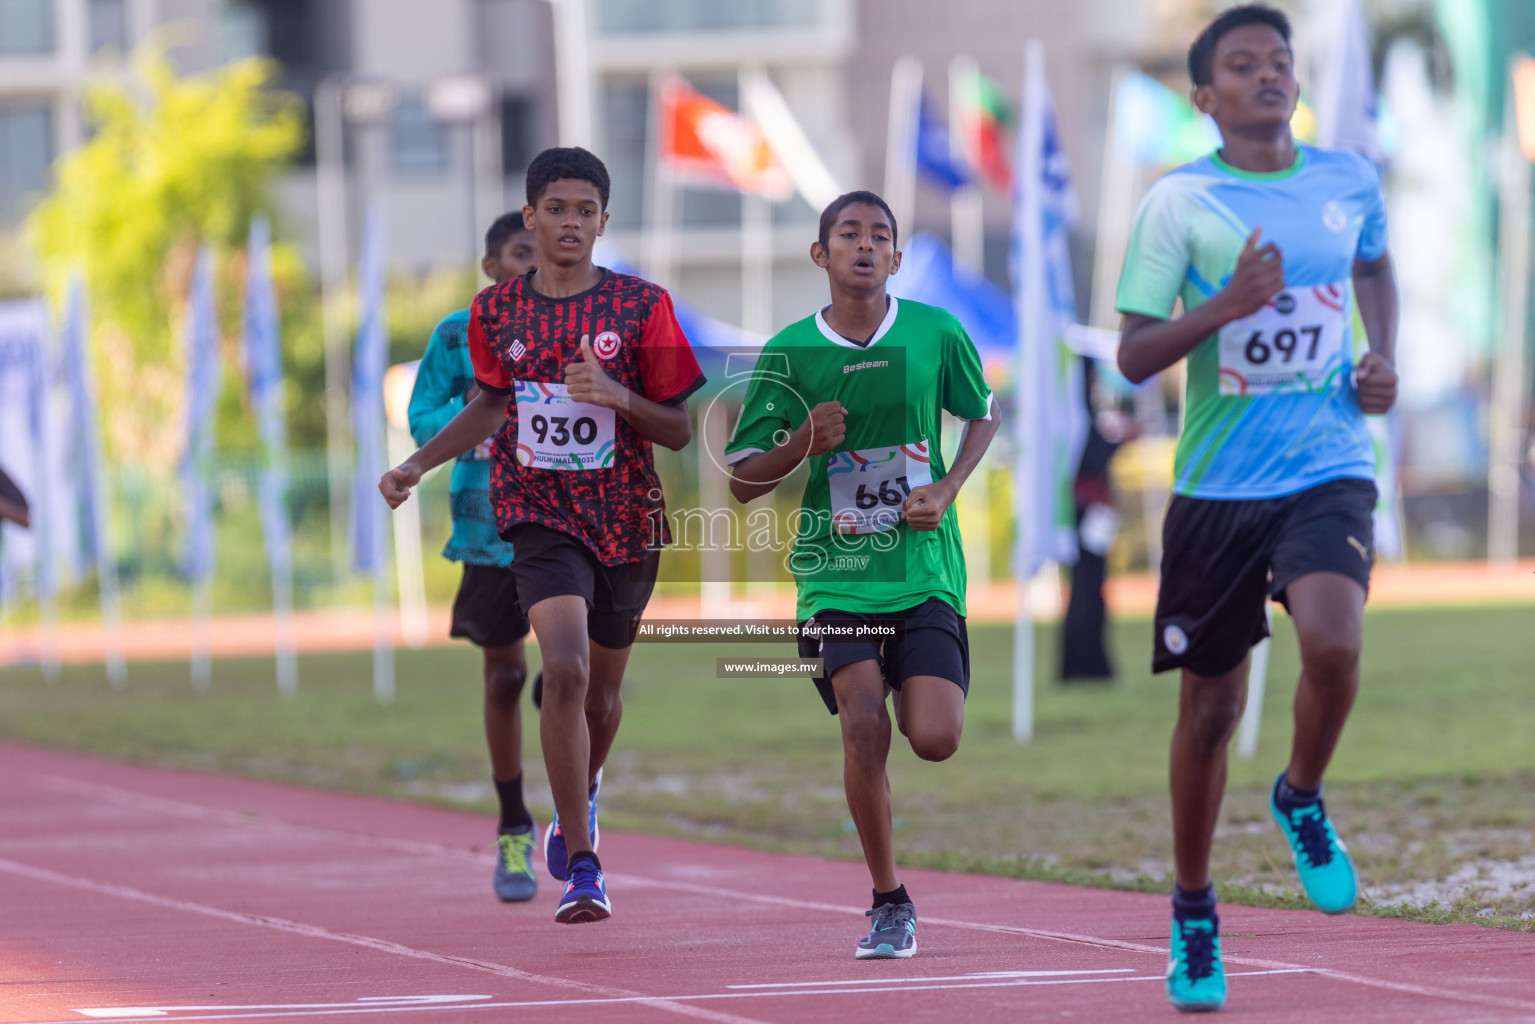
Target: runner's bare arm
1375 375
760 472
478 420
666 425
1148 345
925 506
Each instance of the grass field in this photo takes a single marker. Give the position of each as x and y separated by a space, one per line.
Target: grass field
1431 785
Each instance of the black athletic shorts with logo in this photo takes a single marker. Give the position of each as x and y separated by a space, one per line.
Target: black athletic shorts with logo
1221 561
549 563
486 612
936 644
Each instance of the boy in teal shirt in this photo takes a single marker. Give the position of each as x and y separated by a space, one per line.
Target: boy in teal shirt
486 612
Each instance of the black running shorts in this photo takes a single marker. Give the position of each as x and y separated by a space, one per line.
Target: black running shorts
486 612
1221 560
935 644
553 564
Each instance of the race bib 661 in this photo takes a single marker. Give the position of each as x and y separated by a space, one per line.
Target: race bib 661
1292 345
869 486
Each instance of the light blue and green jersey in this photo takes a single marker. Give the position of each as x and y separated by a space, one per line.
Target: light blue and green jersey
1270 407
919 364
442 378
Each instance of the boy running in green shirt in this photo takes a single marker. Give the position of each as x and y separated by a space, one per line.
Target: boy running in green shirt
859 389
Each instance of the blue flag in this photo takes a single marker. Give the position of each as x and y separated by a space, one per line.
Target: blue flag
204 379
84 458
369 361
1050 426
262 344
934 157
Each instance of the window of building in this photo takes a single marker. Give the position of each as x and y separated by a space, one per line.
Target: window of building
109 25
418 144
620 17
516 134
26 26
26 151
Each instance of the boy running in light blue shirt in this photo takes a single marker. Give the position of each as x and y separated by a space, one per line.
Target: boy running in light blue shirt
1271 247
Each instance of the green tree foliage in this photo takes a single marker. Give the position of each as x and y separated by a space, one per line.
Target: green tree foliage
173 163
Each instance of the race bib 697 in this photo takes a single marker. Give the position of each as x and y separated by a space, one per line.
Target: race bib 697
1292 345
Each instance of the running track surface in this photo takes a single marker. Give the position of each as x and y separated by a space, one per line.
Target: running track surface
133 893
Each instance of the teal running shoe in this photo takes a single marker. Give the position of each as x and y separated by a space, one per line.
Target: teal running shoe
514 880
1321 859
1196 981
556 855
894 935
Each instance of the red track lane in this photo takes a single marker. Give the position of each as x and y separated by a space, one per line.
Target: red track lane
132 893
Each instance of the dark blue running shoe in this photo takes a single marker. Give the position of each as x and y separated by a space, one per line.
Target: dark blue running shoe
586 895
894 935
515 881
556 856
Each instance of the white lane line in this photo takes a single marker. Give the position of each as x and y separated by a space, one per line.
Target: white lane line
366 941
676 999
1426 991
126 797
365 1002
991 975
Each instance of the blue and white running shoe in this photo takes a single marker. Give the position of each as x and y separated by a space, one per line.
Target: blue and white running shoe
894 935
556 856
1322 861
1196 981
586 895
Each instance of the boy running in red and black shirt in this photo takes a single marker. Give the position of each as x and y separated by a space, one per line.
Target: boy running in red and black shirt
580 369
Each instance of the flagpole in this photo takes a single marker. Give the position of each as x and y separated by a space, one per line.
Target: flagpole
967 222
47 581
370 518
1506 429
756 248
574 84
330 184
662 191
1257 683
201 398
1116 212
1031 293
83 400
409 574
901 143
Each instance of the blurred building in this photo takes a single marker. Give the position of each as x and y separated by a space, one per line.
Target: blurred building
442 104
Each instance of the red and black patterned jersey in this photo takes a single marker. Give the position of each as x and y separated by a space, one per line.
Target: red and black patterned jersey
520 339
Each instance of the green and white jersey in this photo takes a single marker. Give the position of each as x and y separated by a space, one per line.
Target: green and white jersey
853 551
1271 407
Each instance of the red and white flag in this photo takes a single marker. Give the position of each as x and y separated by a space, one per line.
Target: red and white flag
707 143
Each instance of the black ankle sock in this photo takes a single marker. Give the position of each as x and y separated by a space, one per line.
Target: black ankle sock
588 855
1288 797
894 896
1199 903
514 814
